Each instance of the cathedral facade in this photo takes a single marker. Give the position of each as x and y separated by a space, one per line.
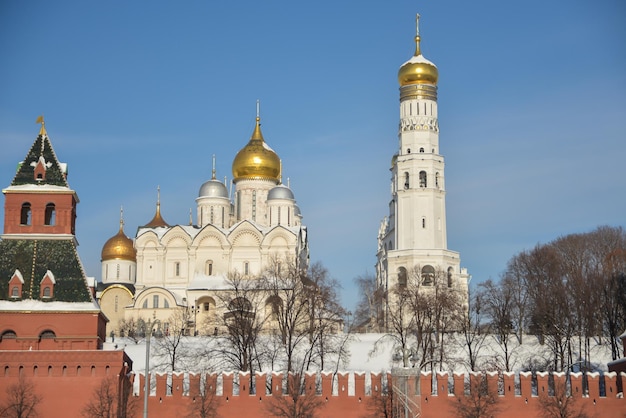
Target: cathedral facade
173 267
412 239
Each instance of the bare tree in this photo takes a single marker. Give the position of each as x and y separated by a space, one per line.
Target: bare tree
381 403
472 325
498 305
172 354
286 285
299 401
561 405
365 313
204 402
243 322
481 401
400 325
112 399
326 317
21 400
131 328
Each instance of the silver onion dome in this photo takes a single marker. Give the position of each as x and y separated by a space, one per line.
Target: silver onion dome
280 192
213 188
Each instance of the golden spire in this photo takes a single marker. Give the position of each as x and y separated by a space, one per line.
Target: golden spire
121 218
42 131
157 220
418 51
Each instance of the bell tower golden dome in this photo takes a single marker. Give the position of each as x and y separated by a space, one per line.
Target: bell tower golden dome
418 70
256 161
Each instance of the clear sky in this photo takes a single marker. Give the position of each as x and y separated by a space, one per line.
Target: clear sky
532 107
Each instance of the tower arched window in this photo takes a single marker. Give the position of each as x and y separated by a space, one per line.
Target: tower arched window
437 179
450 270
402 277
423 179
25 214
50 214
428 275
421 150
406 180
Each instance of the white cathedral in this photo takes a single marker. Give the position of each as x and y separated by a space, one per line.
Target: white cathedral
412 241
187 266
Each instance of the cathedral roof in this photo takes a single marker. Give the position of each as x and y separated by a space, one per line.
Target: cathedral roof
34 258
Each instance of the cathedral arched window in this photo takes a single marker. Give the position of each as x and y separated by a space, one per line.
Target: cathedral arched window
450 270
177 269
402 277
406 180
25 214
155 301
50 215
145 304
246 268
423 179
424 223
208 267
428 275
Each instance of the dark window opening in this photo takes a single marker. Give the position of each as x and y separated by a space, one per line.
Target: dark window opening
50 217
423 179
26 214
47 335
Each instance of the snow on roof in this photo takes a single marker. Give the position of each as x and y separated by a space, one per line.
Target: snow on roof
418 59
202 282
36 188
37 305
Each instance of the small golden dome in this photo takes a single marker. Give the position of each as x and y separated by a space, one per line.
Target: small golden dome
119 247
256 161
418 70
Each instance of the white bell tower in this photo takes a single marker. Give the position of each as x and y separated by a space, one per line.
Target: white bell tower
412 240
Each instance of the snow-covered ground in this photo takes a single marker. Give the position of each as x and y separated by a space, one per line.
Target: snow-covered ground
196 357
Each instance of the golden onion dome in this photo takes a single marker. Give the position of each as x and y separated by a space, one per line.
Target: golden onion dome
256 161
119 247
418 70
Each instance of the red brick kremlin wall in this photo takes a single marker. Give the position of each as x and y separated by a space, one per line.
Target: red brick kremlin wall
66 382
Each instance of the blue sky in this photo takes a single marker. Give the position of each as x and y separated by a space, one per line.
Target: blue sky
532 104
